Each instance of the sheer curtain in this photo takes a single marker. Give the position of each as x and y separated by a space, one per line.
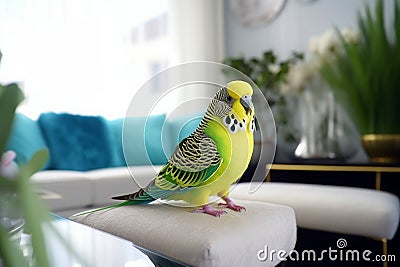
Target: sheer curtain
90 56
197 30
197 34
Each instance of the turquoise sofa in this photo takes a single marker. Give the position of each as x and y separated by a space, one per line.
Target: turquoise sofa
92 158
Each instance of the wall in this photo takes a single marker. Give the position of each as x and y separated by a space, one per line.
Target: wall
294 26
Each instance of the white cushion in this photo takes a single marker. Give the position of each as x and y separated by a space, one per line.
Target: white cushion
358 211
233 239
117 181
74 189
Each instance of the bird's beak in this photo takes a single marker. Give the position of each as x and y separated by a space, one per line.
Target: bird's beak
246 103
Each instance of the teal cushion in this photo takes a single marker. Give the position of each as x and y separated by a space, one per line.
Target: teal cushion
180 128
26 139
77 142
116 132
139 139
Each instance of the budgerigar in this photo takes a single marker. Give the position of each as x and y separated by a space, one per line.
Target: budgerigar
211 159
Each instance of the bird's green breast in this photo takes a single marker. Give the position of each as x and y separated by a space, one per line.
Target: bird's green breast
235 150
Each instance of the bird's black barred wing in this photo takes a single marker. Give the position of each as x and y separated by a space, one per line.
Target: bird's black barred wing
195 160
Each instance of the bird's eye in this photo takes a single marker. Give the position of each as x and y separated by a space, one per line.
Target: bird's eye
229 98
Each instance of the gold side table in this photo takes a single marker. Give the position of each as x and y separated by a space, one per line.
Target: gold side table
378 170
334 168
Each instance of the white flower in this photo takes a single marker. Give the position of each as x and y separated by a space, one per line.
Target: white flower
323 48
300 75
313 45
296 78
328 43
325 44
274 68
350 35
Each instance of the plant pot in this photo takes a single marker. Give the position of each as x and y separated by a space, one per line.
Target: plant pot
384 148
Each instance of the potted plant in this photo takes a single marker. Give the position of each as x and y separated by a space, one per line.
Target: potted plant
266 71
19 201
365 78
21 209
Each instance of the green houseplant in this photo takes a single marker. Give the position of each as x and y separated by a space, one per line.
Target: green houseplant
28 204
266 71
365 78
19 199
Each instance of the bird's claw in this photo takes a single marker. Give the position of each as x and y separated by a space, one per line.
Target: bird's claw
207 209
232 206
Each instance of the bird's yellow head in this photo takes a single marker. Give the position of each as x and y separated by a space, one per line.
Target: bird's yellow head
234 107
241 94
239 88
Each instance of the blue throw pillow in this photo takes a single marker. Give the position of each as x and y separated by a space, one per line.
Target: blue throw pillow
138 140
77 142
25 139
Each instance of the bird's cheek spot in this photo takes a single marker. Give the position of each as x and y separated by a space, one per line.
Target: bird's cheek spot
252 125
227 121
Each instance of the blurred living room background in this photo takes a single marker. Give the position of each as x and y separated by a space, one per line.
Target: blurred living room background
67 54
91 57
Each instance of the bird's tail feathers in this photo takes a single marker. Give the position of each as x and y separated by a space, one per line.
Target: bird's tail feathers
99 209
141 196
125 203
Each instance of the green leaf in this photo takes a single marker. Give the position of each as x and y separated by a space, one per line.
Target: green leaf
35 214
396 22
257 69
37 162
366 74
6 185
10 97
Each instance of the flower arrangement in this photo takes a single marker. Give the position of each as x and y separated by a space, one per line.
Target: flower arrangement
365 77
316 122
323 49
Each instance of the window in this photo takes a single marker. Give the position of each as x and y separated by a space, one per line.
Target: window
91 56
82 56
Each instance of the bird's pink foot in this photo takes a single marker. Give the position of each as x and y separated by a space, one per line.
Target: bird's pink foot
231 205
207 209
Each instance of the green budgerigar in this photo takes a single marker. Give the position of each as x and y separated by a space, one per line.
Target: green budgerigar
209 160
